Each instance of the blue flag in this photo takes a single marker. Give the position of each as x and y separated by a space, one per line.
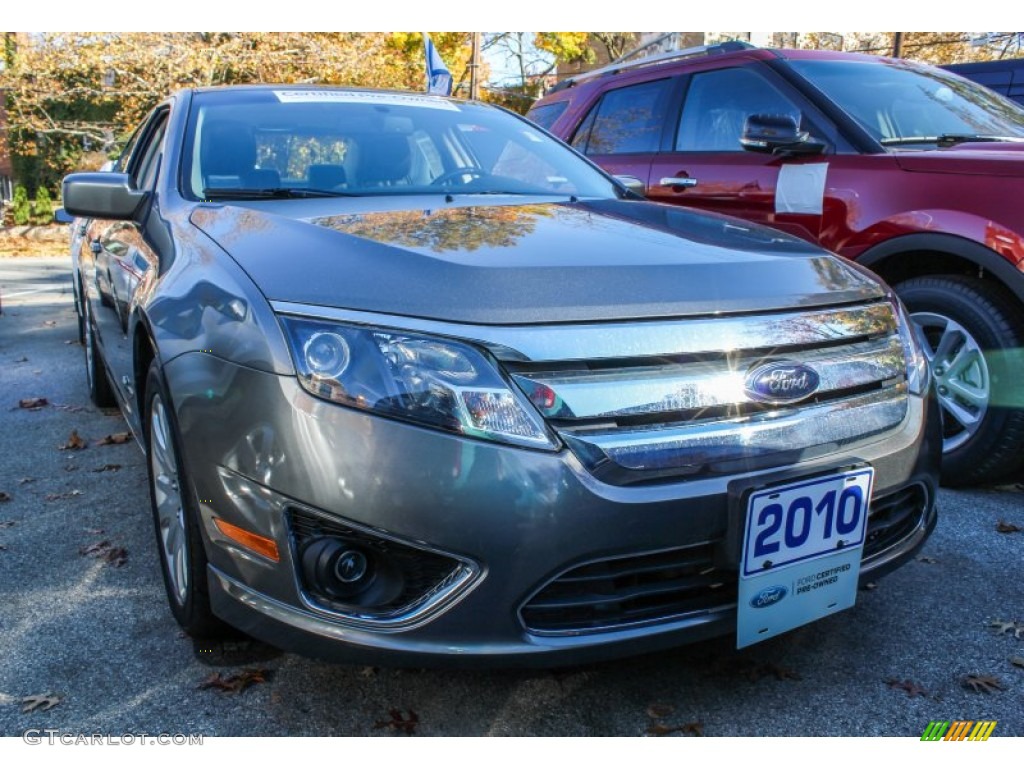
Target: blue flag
439 79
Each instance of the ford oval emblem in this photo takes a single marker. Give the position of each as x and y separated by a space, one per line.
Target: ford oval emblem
780 382
768 596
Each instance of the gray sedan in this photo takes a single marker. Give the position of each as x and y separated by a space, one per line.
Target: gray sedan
417 383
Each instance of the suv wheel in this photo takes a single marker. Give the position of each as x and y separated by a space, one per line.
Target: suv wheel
178 538
974 339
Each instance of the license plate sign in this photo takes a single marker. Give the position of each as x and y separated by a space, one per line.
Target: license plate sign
801 553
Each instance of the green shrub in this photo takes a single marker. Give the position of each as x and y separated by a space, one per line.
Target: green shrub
42 208
22 209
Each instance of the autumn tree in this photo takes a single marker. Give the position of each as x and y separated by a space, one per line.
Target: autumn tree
68 93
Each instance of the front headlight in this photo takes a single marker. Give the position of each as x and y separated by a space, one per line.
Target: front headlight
917 363
435 382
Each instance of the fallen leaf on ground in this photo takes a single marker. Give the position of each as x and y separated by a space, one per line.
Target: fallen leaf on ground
754 671
1015 628
399 723
368 672
26 480
236 683
115 439
3 547
107 552
1017 661
926 559
868 586
108 468
65 495
115 556
7 524
33 403
40 701
74 443
71 408
981 684
21 360
1004 527
687 729
912 689
658 711
50 323
94 531
4 496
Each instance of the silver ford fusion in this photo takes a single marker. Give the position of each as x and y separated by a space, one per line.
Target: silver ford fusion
418 384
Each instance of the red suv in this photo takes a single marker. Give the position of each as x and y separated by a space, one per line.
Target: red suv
910 170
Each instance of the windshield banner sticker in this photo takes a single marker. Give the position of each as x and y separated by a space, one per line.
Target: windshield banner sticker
366 97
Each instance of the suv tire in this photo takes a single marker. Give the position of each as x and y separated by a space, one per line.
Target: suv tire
974 336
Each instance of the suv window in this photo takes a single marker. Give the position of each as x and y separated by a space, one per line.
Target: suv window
626 120
546 114
718 104
145 170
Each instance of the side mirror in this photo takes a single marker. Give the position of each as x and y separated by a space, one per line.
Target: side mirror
101 196
633 184
777 135
63 217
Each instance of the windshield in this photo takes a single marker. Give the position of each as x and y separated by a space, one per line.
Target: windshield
300 143
906 104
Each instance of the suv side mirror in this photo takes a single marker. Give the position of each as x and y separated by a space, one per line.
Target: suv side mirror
778 134
101 196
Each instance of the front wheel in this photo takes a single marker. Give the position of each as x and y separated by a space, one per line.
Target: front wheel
973 337
179 541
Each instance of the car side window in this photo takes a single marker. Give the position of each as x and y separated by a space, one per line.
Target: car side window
145 170
626 120
718 104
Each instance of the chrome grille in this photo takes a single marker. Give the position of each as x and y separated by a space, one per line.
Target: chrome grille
673 401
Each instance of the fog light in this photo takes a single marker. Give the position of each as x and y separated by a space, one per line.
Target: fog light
350 573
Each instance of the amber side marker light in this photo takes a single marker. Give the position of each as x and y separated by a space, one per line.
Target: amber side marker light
261 545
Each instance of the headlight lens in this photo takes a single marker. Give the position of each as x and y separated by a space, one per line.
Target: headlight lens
917 363
435 382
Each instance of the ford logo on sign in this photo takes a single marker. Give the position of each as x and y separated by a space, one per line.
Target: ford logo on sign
768 596
781 382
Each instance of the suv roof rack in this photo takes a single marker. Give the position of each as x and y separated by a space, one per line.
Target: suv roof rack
619 65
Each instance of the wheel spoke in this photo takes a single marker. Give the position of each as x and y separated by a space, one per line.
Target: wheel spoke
972 394
968 419
952 339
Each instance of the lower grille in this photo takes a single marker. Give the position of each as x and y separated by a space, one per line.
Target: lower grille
893 518
630 590
424 573
659 586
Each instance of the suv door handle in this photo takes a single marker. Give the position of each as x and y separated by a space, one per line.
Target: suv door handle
678 181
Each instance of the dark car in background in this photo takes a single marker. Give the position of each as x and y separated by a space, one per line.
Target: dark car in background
1004 76
907 169
418 384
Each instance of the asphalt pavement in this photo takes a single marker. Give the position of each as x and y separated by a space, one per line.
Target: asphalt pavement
84 621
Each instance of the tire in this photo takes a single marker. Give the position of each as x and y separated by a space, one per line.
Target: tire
974 339
78 310
100 391
176 520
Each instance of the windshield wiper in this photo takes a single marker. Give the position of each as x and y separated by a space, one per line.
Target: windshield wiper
279 193
946 139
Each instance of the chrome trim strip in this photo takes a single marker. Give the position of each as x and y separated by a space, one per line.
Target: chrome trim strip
693 386
692 446
636 338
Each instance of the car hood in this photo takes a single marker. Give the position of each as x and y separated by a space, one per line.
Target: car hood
537 262
982 158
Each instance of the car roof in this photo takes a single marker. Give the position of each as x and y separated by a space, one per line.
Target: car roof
249 87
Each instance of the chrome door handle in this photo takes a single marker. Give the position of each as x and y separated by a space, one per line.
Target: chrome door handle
678 181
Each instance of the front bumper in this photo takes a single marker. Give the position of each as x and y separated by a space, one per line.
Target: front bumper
256 444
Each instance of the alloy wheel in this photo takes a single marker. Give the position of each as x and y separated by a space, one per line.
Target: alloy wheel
167 497
962 381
